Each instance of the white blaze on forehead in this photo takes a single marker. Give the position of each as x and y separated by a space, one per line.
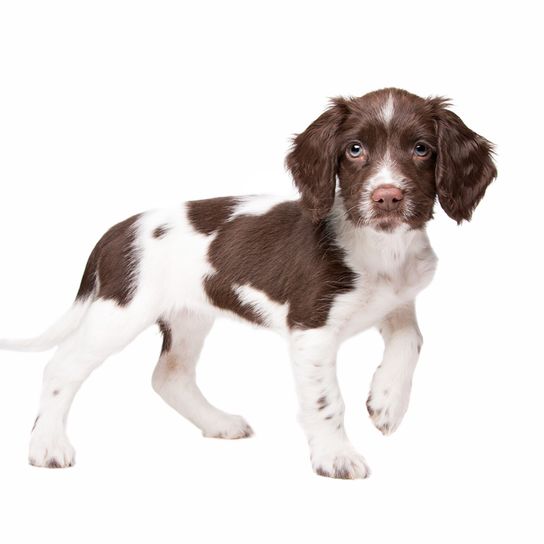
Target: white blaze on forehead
388 109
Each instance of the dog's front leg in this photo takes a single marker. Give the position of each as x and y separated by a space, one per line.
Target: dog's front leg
392 382
313 353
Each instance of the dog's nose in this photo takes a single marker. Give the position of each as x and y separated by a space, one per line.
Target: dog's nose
387 197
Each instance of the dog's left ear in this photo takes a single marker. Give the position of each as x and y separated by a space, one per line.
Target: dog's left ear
464 164
313 160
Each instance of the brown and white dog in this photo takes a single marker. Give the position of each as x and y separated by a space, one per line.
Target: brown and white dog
352 253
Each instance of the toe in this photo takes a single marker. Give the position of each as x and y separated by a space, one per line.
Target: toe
342 466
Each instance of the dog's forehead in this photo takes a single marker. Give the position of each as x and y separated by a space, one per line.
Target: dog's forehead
390 109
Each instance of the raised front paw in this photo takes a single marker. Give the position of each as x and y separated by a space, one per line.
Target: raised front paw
345 464
51 451
387 403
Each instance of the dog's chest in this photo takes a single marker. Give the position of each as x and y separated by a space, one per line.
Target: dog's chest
387 279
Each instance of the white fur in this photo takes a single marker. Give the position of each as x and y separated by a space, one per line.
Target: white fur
273 313
387 174
313 354
388 110
392 381
256 204
174 379
391 269
50 338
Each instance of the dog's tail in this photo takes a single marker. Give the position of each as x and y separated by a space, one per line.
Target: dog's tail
69 322
60 330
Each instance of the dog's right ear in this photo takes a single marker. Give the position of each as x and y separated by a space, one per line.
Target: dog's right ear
313 160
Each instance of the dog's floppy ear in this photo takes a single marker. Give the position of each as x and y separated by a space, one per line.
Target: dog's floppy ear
464 164
313 160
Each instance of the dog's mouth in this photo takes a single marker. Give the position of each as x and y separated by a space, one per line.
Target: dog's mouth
388 220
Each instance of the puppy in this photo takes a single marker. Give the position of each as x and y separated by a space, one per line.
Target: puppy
350 254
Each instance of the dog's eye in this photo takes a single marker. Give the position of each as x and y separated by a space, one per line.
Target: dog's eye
355 150
421 149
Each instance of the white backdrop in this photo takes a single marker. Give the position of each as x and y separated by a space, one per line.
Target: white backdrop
108 108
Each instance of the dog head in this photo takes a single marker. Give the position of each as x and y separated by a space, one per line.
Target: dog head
393 153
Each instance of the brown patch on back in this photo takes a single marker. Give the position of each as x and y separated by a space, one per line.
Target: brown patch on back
166 336
210 214
283 254
112 262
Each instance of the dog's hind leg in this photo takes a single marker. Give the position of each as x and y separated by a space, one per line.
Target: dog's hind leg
174 377
105 329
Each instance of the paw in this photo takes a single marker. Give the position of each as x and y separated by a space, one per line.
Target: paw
387 404
230 428
342 464
51 452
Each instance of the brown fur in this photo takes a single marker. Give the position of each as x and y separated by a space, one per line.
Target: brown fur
166 336
112 262
282 254
464 166
160 231
209 215
459 167
289 252
313 160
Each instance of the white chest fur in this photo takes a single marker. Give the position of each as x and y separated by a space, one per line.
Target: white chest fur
392 269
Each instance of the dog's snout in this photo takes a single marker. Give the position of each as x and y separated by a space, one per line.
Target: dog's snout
387 197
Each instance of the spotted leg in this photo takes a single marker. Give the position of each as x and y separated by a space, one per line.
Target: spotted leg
313 354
